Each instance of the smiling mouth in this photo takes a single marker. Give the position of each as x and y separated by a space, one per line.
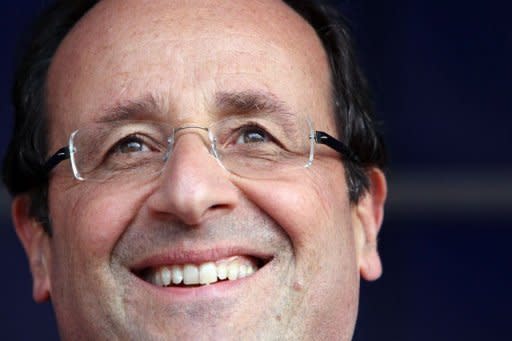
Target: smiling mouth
188 274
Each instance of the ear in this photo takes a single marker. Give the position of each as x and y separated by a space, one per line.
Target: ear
367 217
36 243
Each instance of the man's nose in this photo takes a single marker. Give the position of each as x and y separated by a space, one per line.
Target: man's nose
193 185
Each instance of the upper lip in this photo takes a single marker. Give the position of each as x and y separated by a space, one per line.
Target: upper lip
173 256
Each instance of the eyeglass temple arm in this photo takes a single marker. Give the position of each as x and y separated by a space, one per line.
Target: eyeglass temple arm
61 155
324 138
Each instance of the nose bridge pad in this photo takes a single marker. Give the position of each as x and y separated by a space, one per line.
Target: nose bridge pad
209 142
213 148
170 146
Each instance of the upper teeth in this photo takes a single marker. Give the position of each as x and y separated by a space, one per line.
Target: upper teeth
204 273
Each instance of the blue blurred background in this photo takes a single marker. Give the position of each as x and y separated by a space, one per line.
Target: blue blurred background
440 74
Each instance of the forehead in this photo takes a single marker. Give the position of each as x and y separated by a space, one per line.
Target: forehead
183 53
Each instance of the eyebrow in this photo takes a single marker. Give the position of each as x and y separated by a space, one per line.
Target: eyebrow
248 102
137 109
227 103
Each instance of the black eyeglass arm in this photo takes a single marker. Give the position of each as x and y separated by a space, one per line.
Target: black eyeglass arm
61 155
324 138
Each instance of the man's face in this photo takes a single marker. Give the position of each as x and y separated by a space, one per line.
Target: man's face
297 230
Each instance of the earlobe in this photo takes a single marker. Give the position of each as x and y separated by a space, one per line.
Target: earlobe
35 241
368 216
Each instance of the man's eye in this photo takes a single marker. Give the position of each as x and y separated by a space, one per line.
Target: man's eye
252 135
131 144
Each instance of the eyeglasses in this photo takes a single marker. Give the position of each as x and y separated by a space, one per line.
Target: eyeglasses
252 146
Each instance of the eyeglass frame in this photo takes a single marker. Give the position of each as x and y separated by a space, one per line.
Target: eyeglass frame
319 137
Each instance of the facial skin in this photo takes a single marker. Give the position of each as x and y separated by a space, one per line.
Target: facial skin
313 242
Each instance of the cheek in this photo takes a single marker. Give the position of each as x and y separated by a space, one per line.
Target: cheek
314 212
91 219
312 208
